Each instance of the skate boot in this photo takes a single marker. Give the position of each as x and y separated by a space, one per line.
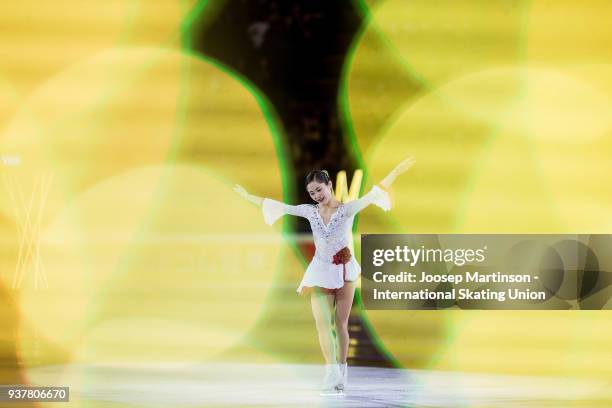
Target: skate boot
331 381
343 376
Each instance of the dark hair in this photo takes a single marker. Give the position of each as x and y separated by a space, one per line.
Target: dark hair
321 176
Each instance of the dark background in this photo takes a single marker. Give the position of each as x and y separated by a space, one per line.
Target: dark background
293 51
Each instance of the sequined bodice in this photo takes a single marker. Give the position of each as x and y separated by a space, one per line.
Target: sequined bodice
330 238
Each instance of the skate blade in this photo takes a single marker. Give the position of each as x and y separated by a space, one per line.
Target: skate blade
332 393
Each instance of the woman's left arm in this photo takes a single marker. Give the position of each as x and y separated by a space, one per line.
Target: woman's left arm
377 195
399 169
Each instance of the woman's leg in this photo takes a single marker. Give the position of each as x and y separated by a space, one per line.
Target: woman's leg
344 302
322 309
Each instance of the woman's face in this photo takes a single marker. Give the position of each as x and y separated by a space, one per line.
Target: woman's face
319 192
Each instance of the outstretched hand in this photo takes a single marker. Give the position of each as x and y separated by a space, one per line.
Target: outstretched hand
404 165
249 197
399 169
241 191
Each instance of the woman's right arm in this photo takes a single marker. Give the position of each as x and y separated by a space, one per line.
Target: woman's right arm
272 209
249 197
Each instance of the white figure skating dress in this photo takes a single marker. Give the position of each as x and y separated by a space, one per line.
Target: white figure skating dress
328 239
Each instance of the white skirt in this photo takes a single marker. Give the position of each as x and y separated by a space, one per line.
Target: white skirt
329 275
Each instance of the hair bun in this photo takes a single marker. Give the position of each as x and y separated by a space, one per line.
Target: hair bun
321 176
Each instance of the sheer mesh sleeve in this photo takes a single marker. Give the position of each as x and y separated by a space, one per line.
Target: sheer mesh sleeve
376 196
272 210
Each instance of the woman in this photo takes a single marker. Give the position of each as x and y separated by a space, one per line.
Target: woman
331 275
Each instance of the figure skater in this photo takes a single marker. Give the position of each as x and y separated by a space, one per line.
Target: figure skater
331 275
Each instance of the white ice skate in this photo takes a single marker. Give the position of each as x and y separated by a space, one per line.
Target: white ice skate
343 367
331 382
